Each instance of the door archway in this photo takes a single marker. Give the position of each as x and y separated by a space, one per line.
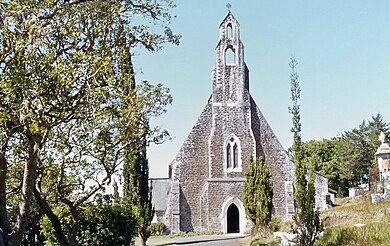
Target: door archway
233 219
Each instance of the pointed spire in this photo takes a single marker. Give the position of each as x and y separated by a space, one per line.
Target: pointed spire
229 15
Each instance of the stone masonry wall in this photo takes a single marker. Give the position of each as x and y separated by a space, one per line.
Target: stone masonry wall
218 192
281 168
190 168
232 120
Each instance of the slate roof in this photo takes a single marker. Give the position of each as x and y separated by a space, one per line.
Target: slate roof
160 190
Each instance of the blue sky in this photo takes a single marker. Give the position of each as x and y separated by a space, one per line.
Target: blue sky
343 53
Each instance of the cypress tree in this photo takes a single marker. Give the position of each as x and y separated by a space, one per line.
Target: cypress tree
135 129
258 192
304 193
313 217
138 193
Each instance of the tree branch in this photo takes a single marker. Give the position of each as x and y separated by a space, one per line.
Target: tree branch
44 205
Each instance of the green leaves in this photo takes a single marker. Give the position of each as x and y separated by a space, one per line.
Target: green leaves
258 192
66 80
106 225
346 160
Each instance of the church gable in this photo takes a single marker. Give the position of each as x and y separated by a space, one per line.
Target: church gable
210 167
189 171
208 174
278 162
193 155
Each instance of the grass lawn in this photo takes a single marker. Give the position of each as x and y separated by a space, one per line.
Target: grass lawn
356 222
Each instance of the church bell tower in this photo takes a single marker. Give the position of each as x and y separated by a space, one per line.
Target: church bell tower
231 141
230 75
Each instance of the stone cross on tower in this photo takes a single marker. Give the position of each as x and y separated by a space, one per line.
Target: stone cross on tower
228 6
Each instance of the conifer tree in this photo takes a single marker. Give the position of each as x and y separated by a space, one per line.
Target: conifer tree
135 130
304 194
138 193
258 192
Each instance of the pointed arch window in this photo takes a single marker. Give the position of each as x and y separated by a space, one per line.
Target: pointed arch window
235 155
230 56
232 154
228 156
229 31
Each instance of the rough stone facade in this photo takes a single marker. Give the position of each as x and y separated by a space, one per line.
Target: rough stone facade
208 174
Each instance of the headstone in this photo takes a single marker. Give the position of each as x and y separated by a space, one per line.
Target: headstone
382 138
288 239
377 197
289 190
383 157
386 185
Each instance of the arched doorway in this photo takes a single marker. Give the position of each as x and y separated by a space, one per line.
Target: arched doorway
233 219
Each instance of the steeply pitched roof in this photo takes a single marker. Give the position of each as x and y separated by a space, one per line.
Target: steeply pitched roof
229 14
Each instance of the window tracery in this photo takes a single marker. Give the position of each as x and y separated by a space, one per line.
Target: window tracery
232 154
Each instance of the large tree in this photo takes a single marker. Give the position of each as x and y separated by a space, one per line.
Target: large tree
304 193
136 134
346 160
60 71
361 144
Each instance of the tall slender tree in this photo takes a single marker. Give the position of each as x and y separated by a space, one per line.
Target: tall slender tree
135 166
136 135
304 193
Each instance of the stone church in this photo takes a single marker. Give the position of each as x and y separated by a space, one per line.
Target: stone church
206 179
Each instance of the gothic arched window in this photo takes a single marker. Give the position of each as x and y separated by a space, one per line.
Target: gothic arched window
228 156
232 154
230 57
235 156
229 31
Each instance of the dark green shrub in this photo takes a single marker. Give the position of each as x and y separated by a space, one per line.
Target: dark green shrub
258 192
275 223
106 225
157 229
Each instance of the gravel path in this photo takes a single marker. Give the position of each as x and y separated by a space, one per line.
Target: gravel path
222 240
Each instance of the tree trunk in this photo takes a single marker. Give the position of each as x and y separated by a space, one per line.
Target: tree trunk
29 177
5 227
59 234
141 240
75 226
2 241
